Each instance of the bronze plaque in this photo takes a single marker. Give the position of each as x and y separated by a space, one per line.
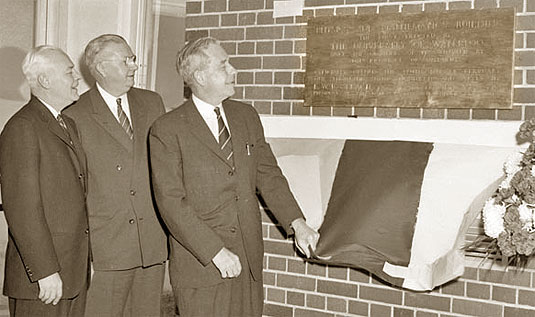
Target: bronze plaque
455 59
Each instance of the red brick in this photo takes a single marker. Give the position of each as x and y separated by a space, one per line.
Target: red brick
458 114
276 263
484 4
296 266
503 294
337 272
265 18
345 11
269 4
518 4
386 113
316 269
300 47
240 5
247 18
282 62
517 312
455 287
229 47
246 48
295 31
284 20
316 3
484 114
202 21
246 62
227 34
367 10
264 47
384 295
193 7
461 5
292 93
518 77
433 113
403 312
275 247
268 278
412 8
299 78
264 32
389 9
277 310
196 34
525 58
262 92
530 40
435 7
229 19
337 288
526 297
215 6
427 314
337 304
321 111
364 111
263 78
307 14
325 12
529 112
282 108
298 282
524 95
315 301
263 107
283 78
525 22
276 295
380 310
364 1
299 312
519 40
530 77
283 47
476 290
427 301
475 308
513 114
409 113
530 6
238 93
295 298
342 111
357 308
298 109
244 78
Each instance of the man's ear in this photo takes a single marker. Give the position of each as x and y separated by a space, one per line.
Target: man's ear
99 68
200 77
43 81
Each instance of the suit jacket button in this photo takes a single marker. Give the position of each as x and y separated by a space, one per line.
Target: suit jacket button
237 197
230 173
86 231
119 167
232 229
81 176
132 192
131 221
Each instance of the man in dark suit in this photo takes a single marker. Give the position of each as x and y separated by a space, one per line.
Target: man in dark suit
208 158
42 168
128 243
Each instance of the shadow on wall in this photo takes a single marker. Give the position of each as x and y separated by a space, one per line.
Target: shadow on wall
14 91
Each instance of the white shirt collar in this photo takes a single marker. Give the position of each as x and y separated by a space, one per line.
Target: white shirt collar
207 112
55 113
111 101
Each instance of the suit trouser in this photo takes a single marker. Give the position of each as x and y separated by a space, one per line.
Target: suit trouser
34 307
133 292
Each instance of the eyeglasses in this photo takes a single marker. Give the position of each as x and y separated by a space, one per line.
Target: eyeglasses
128 60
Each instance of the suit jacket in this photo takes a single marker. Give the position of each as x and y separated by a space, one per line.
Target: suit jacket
42 176
125 230
205 202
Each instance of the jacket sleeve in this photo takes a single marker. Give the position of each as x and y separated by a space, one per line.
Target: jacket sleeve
178 214
21 195
270 181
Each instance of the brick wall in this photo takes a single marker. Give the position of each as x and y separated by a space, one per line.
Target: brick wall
269 55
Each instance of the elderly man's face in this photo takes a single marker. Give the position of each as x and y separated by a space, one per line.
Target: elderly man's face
118 64
63 79
219 74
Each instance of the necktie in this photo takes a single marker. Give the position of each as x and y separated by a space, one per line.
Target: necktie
224 137
62 122
123 120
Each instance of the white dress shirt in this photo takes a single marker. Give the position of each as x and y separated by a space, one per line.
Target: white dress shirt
208 114
55 113
111 101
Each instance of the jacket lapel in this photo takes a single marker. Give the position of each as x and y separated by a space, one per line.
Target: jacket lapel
51 122
199 129
139 120
237 130
103 116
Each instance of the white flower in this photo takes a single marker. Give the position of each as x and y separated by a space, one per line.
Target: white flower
512 164
526 213
506 183
493 218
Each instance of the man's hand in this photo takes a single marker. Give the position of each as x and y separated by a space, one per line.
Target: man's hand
227 263
50 289
304 236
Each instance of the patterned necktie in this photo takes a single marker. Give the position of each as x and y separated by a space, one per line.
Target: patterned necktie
62 122
123 120
224 137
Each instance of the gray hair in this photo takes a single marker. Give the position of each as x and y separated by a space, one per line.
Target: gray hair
96 45
36 60
193 58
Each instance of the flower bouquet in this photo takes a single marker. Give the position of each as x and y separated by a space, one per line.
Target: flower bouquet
508 216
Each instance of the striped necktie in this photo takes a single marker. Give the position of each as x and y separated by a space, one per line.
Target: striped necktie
123 120
224 137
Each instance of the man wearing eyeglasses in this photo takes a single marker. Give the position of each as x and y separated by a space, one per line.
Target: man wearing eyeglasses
128 243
